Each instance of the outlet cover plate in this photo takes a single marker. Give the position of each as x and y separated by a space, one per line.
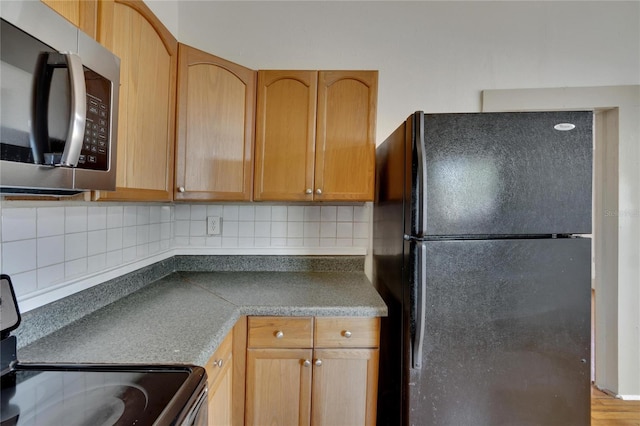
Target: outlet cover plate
214 226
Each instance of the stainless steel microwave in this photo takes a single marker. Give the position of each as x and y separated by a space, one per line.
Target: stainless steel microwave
58 105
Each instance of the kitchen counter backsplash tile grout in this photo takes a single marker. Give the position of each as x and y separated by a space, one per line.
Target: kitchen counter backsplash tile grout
47 319
46 246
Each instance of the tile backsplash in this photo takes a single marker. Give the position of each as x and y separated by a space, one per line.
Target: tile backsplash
45 248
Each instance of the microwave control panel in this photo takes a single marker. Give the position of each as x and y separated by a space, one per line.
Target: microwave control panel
97 142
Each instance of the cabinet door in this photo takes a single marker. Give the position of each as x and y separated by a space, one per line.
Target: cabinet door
285 135
278 387
148 54
81 13
345 143
220 409
214 150
345 386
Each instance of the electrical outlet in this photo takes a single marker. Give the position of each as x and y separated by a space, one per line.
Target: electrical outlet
213 225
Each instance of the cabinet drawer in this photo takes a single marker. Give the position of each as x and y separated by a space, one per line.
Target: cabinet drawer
280 332
219 361
347 332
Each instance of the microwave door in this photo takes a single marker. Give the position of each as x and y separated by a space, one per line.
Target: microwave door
63 150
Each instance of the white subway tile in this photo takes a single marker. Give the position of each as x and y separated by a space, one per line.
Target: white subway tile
114 258
229 241
154 232
142 234
198 228
229 229
19 256
230 213
312 213
143 215
311 230
295 230
50 275
154 247
130 216
75 246
97 262
344 230
246 229
295 242
75 268
214 210
96 218
155 214
215 241
262 230
245 241
96 242
142 251
328 229
328 213
165 231
18 224
361 213
361 230
198 212
311 242
114 239
50 221
115 216
278 229
182 228
263 214
50 250
246 214
345 214
165 214
75 219
344 242
197 241
327 242
279 213
262 242
181 241
165 244
24 283
128 254
182 211
278 242
129 236
361 242
295 213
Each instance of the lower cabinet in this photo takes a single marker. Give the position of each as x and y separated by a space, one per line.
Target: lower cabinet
312 371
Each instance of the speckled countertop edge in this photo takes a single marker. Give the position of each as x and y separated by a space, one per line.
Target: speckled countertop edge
222 300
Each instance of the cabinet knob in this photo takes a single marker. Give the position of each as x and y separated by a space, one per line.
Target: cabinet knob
318 362
181 189
279 334
217 363
346 333
306 363
308 191
319 191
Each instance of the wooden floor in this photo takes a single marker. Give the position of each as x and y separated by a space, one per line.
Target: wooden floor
609 411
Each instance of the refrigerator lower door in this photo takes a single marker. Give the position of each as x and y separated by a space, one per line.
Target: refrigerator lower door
506 333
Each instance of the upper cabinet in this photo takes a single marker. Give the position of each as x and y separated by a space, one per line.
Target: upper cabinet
149 56
315 135
216 113
81 13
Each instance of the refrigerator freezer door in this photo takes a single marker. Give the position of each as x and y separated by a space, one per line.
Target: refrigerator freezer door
506 334
501 173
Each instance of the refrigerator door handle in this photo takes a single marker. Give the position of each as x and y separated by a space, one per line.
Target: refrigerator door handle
420 306
421 173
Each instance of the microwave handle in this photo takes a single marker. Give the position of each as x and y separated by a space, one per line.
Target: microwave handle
78 116
47 62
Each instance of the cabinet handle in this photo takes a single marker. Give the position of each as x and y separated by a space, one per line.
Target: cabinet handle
346 333
218 363
279 334
319 191
318 362
181 189
308 191
306 363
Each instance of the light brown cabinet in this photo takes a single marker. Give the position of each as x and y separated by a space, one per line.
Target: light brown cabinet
81 13
315 135
302 371
216 112
225 379
146 120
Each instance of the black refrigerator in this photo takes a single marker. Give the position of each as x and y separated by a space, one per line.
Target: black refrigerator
480 253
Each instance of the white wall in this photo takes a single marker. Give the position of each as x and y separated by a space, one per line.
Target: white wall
434 56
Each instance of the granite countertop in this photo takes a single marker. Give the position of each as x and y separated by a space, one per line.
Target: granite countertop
183 317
